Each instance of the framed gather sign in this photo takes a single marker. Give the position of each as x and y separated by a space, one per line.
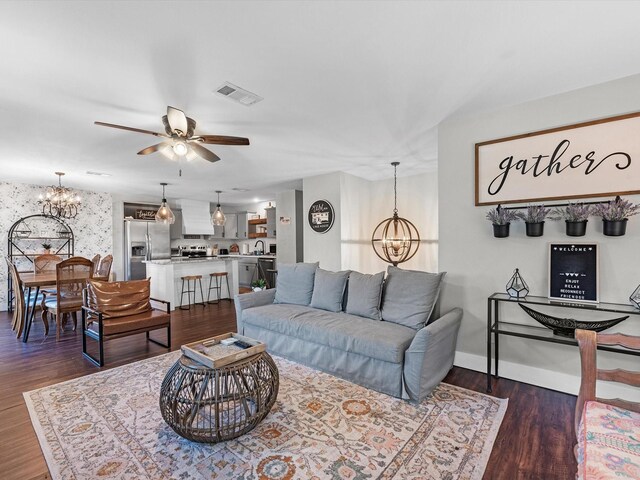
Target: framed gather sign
573 272
600 158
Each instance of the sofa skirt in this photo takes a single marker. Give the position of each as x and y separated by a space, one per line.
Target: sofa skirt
379 375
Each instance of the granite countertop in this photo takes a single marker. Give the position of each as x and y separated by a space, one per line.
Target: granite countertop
239 255
211 258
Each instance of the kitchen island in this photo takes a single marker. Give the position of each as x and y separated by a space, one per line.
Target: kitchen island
166 283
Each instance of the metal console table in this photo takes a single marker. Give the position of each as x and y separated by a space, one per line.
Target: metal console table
543 334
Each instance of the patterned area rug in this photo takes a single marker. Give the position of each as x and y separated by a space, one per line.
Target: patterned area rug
108 425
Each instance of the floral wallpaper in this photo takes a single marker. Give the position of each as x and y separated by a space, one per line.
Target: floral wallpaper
92 228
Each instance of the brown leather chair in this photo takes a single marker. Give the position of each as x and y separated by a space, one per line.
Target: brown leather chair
118 309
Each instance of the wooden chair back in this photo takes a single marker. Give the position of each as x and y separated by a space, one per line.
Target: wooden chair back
588 340
96 263
104 269
71 279
46 263
18 297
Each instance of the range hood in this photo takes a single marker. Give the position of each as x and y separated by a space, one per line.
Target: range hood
196 217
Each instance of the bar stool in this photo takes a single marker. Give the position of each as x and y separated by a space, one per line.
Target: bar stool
189 290
218 286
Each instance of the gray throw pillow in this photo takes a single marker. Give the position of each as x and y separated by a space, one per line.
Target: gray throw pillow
295 283
328 290
365 291
409 296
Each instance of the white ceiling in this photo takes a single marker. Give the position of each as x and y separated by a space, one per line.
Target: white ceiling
348 86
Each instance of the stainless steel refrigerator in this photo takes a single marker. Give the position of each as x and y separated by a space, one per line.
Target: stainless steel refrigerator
144 240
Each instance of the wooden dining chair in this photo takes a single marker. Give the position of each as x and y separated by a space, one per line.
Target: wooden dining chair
604 427
71 278
104 269
18 298
96 263
46 263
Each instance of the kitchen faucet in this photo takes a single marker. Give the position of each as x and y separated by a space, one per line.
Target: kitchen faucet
256 245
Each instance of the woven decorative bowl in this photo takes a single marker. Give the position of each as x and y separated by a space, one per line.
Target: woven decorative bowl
566 327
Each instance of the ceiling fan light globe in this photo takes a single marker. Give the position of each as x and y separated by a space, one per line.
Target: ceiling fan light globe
180 148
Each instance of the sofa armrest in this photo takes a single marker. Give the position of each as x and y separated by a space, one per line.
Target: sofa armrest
430 355
250 300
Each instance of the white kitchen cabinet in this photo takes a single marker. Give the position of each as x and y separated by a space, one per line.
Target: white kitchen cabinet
218 231
231 225
243 224
247 271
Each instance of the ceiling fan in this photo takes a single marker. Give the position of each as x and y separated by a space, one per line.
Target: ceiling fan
180 140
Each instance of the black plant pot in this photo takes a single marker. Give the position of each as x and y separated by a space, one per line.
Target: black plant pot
535 229
614 228
501 231
576 229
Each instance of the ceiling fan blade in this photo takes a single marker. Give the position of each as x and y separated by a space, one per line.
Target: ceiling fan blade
131 129
151 149
177 121
222 140
204 153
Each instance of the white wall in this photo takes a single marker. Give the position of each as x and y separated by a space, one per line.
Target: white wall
323 247
479 264
360 205
92 227
289 238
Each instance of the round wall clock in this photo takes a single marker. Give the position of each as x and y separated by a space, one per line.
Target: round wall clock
321 216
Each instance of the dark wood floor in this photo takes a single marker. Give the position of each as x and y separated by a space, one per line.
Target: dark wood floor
534 442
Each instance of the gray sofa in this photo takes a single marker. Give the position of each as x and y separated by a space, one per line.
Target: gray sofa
387 357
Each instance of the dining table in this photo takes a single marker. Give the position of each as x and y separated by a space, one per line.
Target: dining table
36 280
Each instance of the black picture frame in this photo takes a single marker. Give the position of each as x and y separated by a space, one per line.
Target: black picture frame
321 216
574 274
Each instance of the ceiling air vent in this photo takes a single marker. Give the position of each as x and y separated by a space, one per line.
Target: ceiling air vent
238 94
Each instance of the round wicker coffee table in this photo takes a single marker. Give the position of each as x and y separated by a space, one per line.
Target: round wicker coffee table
211 405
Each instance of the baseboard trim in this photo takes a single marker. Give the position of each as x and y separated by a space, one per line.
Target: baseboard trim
561 382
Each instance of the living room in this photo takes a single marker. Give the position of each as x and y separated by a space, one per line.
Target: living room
349 88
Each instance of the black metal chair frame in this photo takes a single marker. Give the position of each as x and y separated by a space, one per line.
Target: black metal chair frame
188 291
100 338
218 288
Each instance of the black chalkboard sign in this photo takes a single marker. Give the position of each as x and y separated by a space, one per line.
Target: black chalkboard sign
321 216
573 272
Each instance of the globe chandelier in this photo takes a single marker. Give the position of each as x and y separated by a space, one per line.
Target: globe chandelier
59 201
395 239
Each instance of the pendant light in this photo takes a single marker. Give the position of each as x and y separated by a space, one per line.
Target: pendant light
217 218
395 239
164 213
